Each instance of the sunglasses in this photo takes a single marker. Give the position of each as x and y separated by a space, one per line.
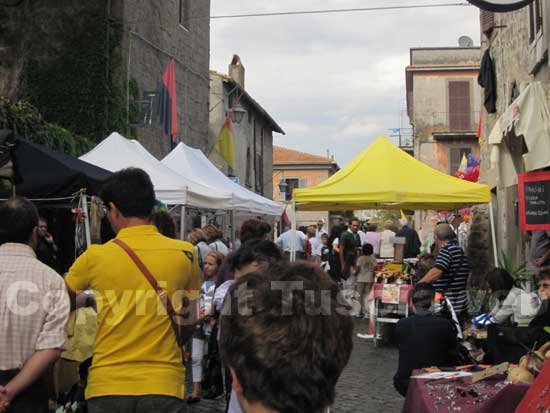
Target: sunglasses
544 285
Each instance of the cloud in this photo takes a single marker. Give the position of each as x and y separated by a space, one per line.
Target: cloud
333 81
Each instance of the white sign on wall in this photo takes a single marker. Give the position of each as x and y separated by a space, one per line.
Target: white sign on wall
500 6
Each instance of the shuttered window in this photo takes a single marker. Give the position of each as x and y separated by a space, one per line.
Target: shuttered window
535 20
459 106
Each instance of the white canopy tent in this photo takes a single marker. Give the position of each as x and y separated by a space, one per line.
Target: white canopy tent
192 163
116 152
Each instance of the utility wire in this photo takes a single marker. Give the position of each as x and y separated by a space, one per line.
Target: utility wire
364 9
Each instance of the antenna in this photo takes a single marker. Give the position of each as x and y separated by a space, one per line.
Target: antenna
465 41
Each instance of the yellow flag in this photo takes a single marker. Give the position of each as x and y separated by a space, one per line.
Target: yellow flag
225 144
403 216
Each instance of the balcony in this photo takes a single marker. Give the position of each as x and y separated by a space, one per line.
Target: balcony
446 125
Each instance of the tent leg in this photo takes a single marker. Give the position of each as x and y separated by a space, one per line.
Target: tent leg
86 219
493 233
182 223
293 233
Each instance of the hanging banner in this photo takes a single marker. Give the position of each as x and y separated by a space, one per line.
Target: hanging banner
500 6
534 200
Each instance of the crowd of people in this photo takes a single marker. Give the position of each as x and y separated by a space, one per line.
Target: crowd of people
156 299
118 329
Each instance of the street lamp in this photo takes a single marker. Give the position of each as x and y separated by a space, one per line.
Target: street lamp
238 112
283 188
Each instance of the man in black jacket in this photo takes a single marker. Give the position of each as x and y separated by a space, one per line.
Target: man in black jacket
424 339
412 241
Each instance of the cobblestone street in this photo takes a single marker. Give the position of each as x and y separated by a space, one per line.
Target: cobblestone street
366 385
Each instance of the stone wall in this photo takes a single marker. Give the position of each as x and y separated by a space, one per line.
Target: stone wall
153 35
513 60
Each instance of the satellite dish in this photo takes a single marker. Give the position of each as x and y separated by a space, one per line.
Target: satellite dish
465 41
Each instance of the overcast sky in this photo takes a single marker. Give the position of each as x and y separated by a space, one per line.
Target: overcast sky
334 81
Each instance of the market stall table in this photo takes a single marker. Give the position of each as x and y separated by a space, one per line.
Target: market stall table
391 303
490 395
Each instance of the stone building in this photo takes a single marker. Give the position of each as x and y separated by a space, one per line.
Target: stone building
87 65
518 45
443 103
253 135
301 170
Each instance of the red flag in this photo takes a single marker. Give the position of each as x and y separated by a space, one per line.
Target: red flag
168 104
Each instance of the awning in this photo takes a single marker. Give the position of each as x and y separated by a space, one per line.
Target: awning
527 120
385 177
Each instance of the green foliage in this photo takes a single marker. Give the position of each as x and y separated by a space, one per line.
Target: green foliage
29 124
519 273
75 87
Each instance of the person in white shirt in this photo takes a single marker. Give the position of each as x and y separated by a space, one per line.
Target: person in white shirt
320 230
513 305
387 249
284 242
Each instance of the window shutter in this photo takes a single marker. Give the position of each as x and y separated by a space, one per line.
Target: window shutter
459 106
487 21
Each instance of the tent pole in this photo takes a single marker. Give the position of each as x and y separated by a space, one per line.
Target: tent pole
493 233
86 219
293 233
182 223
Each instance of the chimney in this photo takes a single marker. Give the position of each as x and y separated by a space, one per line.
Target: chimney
236 70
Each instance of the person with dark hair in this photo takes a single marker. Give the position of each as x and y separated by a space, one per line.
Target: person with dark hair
254 229
451 271
514 305
543 317
164 223
137 357
214 238
424 339
46 250
198 238
255 340
349 246
366 264
373 238
254 255
33 327
335 270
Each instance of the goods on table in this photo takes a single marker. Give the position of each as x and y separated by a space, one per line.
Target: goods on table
393 273
530 365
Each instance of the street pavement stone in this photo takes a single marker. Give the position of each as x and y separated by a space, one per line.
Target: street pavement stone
366 385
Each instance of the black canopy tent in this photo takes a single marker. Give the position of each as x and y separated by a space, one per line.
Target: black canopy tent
42 173
57 183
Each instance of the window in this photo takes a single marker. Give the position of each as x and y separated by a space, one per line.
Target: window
294 183
455 157
459 106
535 20
184 13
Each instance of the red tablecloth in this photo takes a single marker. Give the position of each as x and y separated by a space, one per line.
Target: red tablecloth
491 395
405 292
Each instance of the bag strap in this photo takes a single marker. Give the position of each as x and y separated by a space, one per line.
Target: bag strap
163 296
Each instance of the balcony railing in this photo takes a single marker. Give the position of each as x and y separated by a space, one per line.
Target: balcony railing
448 122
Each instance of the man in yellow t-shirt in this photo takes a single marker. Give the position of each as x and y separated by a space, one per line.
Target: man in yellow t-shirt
137 365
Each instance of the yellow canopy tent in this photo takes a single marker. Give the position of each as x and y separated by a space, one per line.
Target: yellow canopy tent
385 177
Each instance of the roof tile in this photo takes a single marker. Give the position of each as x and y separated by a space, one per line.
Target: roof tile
287 156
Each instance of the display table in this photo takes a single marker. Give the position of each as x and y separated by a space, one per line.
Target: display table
487 396
391 302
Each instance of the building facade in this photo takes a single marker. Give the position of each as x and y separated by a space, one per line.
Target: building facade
443 100
88 66
517 43
301 170
253 134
